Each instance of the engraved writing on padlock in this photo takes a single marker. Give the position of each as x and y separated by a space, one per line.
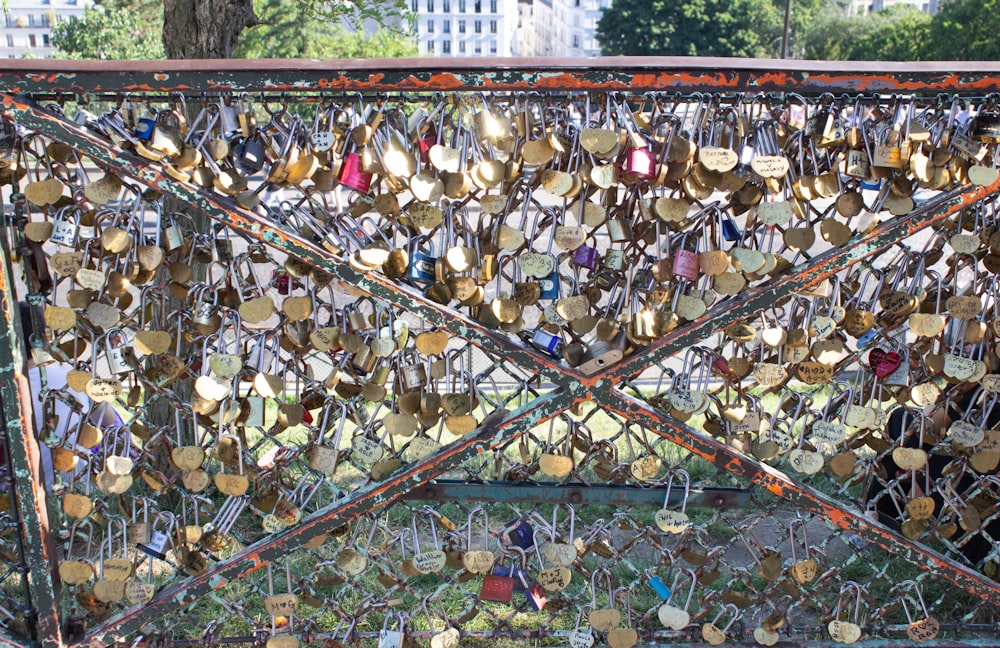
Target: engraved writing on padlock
686 264
856 164
157 545
118 361
203 312
63 232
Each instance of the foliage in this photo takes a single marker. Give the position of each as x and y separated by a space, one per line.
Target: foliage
965 30
106 34
693 28
898 33
295 30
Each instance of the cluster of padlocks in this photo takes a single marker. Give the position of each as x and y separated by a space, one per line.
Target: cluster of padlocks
214 389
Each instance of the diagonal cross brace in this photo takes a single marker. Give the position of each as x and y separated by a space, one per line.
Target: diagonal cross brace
724 457
224 210
491 435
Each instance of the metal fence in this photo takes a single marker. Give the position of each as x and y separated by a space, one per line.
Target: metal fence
615 352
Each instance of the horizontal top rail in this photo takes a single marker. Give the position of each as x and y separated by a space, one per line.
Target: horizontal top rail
671 74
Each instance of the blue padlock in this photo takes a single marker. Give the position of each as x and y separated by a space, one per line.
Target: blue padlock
520 534
550 286
660 587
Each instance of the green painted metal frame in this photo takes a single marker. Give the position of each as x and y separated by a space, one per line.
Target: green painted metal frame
72 78
29 490
634 74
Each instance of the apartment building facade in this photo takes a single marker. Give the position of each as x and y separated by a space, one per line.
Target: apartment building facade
27 25
466 27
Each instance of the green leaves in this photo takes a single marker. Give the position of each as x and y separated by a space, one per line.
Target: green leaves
290 29
747 28
107 34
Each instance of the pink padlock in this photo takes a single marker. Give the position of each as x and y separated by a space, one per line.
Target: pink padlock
353 174
640 163
686 264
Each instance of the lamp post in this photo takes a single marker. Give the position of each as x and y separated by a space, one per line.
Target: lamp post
784 33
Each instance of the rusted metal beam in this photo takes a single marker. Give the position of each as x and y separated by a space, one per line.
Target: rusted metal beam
727 459
491 435
25 460
674 74
224 210
804 276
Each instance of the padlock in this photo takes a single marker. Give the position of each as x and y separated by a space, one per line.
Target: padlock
118 352
497 587
143 128
518 533
160 537
166 136
602 353
65 227
685 255
986 125
550 343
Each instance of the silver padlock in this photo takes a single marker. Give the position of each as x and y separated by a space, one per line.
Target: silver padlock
392 638
159 536
65 227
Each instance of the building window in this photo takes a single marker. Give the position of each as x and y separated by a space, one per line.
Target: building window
430 6
493 46
430 47
446 47
493 26
31 41
477 26
461 26
493 6
446 6
479 48
31 20
478 6
576 40
413 6
461 6
446 27
45 41
461 47
430 26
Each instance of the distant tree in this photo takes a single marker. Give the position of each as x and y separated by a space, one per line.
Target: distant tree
292 30
963 30
898 33
748 28
212 28
102 33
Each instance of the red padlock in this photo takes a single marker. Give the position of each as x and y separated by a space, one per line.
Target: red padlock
496 587
353 174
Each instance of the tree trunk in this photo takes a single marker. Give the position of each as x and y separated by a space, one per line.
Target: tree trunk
204 29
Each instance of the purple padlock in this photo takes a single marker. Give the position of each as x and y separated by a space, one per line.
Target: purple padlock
585 256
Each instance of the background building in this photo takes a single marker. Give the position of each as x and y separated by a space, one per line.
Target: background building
466 27
564 28
27 25
861 7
